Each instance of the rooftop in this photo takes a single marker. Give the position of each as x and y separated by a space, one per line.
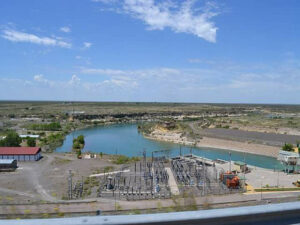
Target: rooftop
239 163
6 161
19 150
29 135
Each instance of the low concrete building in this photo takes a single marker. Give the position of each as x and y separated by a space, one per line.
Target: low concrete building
240 166
8 165
21 153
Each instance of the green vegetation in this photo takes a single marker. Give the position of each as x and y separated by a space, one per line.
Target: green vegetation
122 159
80 139
288 147
78 153
136 211
145 128
55 126
52 141
12 139
31 142
78 144
118 206
276 189
108 169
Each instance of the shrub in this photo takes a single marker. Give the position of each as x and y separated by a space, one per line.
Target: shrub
31 142
76 145
80 139
12 139
55 126
288 147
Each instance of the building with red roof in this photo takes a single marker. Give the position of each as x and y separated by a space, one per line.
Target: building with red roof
21 153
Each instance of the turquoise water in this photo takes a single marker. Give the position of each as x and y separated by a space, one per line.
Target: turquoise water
126 140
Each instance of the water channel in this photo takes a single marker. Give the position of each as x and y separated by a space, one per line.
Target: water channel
126 140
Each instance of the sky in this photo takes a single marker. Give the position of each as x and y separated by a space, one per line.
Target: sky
228 51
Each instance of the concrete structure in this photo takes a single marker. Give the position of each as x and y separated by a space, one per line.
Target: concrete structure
239 166
21 153
8 164
172 182
289 158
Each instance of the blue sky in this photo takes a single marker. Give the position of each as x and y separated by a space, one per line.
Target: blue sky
149 50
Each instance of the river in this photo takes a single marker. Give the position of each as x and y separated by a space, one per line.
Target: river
126 140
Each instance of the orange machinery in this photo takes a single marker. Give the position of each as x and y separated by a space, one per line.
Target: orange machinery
230 179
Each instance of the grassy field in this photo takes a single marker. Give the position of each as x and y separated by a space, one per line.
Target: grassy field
52 109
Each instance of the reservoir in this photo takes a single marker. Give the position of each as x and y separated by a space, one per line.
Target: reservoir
125 139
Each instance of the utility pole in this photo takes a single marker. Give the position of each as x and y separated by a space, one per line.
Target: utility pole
70 185
180 150
277 177
261 188
245 169
230 162
145 158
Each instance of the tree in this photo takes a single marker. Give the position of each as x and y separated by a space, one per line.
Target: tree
76 145
80 139
31 142
79 154
12 139
288 147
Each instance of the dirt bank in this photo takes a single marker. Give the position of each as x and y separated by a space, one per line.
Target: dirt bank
258 149
248 147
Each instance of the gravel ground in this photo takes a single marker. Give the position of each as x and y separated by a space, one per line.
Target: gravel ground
46 179
252 136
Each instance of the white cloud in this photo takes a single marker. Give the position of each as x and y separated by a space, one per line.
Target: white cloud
226 83
16 36
75 80
143 73
104 1
87 44
40 78
181 18
65 29
109 72
201 61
